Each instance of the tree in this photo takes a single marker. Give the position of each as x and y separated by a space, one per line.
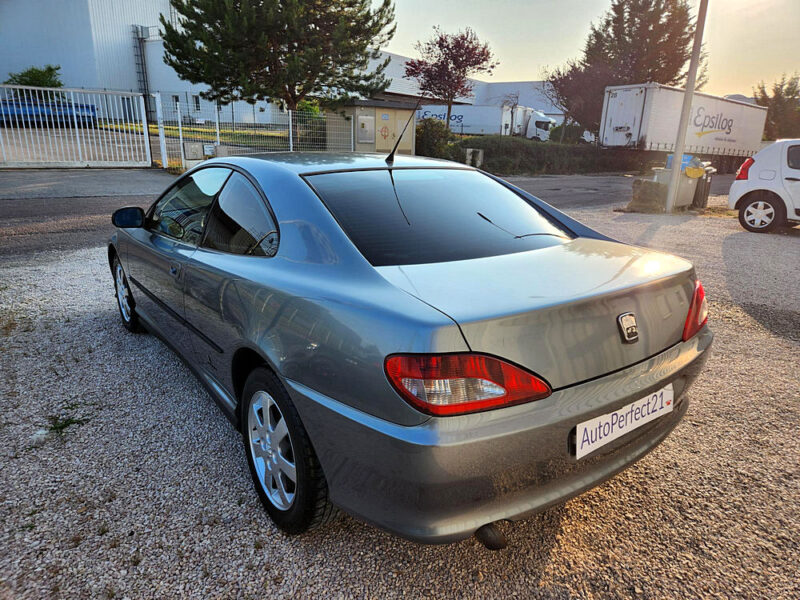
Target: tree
47 76
783 107
287 50
576 89
446 63
636 41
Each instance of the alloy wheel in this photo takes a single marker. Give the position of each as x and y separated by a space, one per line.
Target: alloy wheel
272 451
123 295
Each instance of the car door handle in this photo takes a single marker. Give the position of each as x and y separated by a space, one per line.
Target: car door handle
793 179
174 270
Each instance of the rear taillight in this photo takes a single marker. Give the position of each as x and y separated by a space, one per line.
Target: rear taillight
744 169
454 384
698 312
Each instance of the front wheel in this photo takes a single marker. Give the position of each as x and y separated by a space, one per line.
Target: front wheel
284 467
760 214
125 303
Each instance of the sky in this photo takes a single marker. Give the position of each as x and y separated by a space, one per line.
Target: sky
747 40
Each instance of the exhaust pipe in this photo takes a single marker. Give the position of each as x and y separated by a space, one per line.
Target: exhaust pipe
491 537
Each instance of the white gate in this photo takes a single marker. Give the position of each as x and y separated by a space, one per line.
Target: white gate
61 127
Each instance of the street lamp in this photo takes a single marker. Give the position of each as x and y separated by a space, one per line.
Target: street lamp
691 78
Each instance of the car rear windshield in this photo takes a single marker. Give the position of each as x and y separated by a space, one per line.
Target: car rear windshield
415 216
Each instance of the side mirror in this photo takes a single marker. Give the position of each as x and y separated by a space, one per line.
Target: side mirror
130 216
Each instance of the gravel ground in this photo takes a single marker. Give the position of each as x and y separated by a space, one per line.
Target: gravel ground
120 477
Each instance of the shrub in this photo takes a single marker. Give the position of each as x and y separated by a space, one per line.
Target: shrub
506 155
432 138
573 134
311 131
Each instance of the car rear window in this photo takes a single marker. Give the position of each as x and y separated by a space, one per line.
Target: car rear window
415 216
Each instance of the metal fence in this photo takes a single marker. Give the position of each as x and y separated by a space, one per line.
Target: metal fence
60 127
188 134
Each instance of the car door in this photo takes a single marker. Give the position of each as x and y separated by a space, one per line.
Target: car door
240 235
158 251
791 177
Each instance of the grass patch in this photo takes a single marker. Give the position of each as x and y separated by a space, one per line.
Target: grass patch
12 320
58 425
8 323
718 211
207 132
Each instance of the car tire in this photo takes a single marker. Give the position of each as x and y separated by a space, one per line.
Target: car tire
125 301
761 213
278 449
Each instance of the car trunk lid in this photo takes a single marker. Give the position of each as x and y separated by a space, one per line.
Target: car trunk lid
555 310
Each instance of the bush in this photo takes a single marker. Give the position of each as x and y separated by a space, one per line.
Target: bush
506 155
311 131
573 134
432 138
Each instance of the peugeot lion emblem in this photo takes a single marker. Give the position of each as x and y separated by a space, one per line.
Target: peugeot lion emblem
628 327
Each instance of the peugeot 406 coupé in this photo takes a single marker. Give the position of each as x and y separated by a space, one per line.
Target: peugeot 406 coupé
416 342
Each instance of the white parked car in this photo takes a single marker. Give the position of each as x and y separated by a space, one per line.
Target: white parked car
766 191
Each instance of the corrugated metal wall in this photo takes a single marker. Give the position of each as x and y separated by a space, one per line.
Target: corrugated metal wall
25 25
113 41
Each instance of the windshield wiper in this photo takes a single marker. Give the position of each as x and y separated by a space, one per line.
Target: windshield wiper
488 220
524 235
394 189
516 237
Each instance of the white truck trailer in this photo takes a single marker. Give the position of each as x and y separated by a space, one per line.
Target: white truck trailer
646 116
471 119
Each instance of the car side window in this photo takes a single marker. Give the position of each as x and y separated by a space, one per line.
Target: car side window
240 222
793 157
182 212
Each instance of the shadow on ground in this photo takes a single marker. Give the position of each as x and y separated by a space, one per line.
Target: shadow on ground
779 315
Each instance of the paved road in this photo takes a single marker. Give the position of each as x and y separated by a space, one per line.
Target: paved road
585 191
66 209
81 183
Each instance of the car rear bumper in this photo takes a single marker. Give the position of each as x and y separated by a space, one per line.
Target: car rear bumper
440 481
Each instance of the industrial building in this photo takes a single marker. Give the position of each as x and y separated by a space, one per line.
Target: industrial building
115 45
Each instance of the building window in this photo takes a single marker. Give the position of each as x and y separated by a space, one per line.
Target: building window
196 99
176 100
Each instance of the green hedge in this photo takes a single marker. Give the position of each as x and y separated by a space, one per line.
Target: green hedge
506 155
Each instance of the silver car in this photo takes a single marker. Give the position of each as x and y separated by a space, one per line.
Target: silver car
417 342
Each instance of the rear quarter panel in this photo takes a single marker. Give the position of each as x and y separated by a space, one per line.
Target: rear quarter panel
311 329
317 311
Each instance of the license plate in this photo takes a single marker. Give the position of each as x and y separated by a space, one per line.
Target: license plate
595 433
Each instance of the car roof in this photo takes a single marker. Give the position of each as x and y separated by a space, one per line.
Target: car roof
306 163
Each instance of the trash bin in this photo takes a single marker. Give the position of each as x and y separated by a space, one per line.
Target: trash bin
700 199
686 185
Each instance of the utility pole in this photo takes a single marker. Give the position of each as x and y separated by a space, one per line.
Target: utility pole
680 140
